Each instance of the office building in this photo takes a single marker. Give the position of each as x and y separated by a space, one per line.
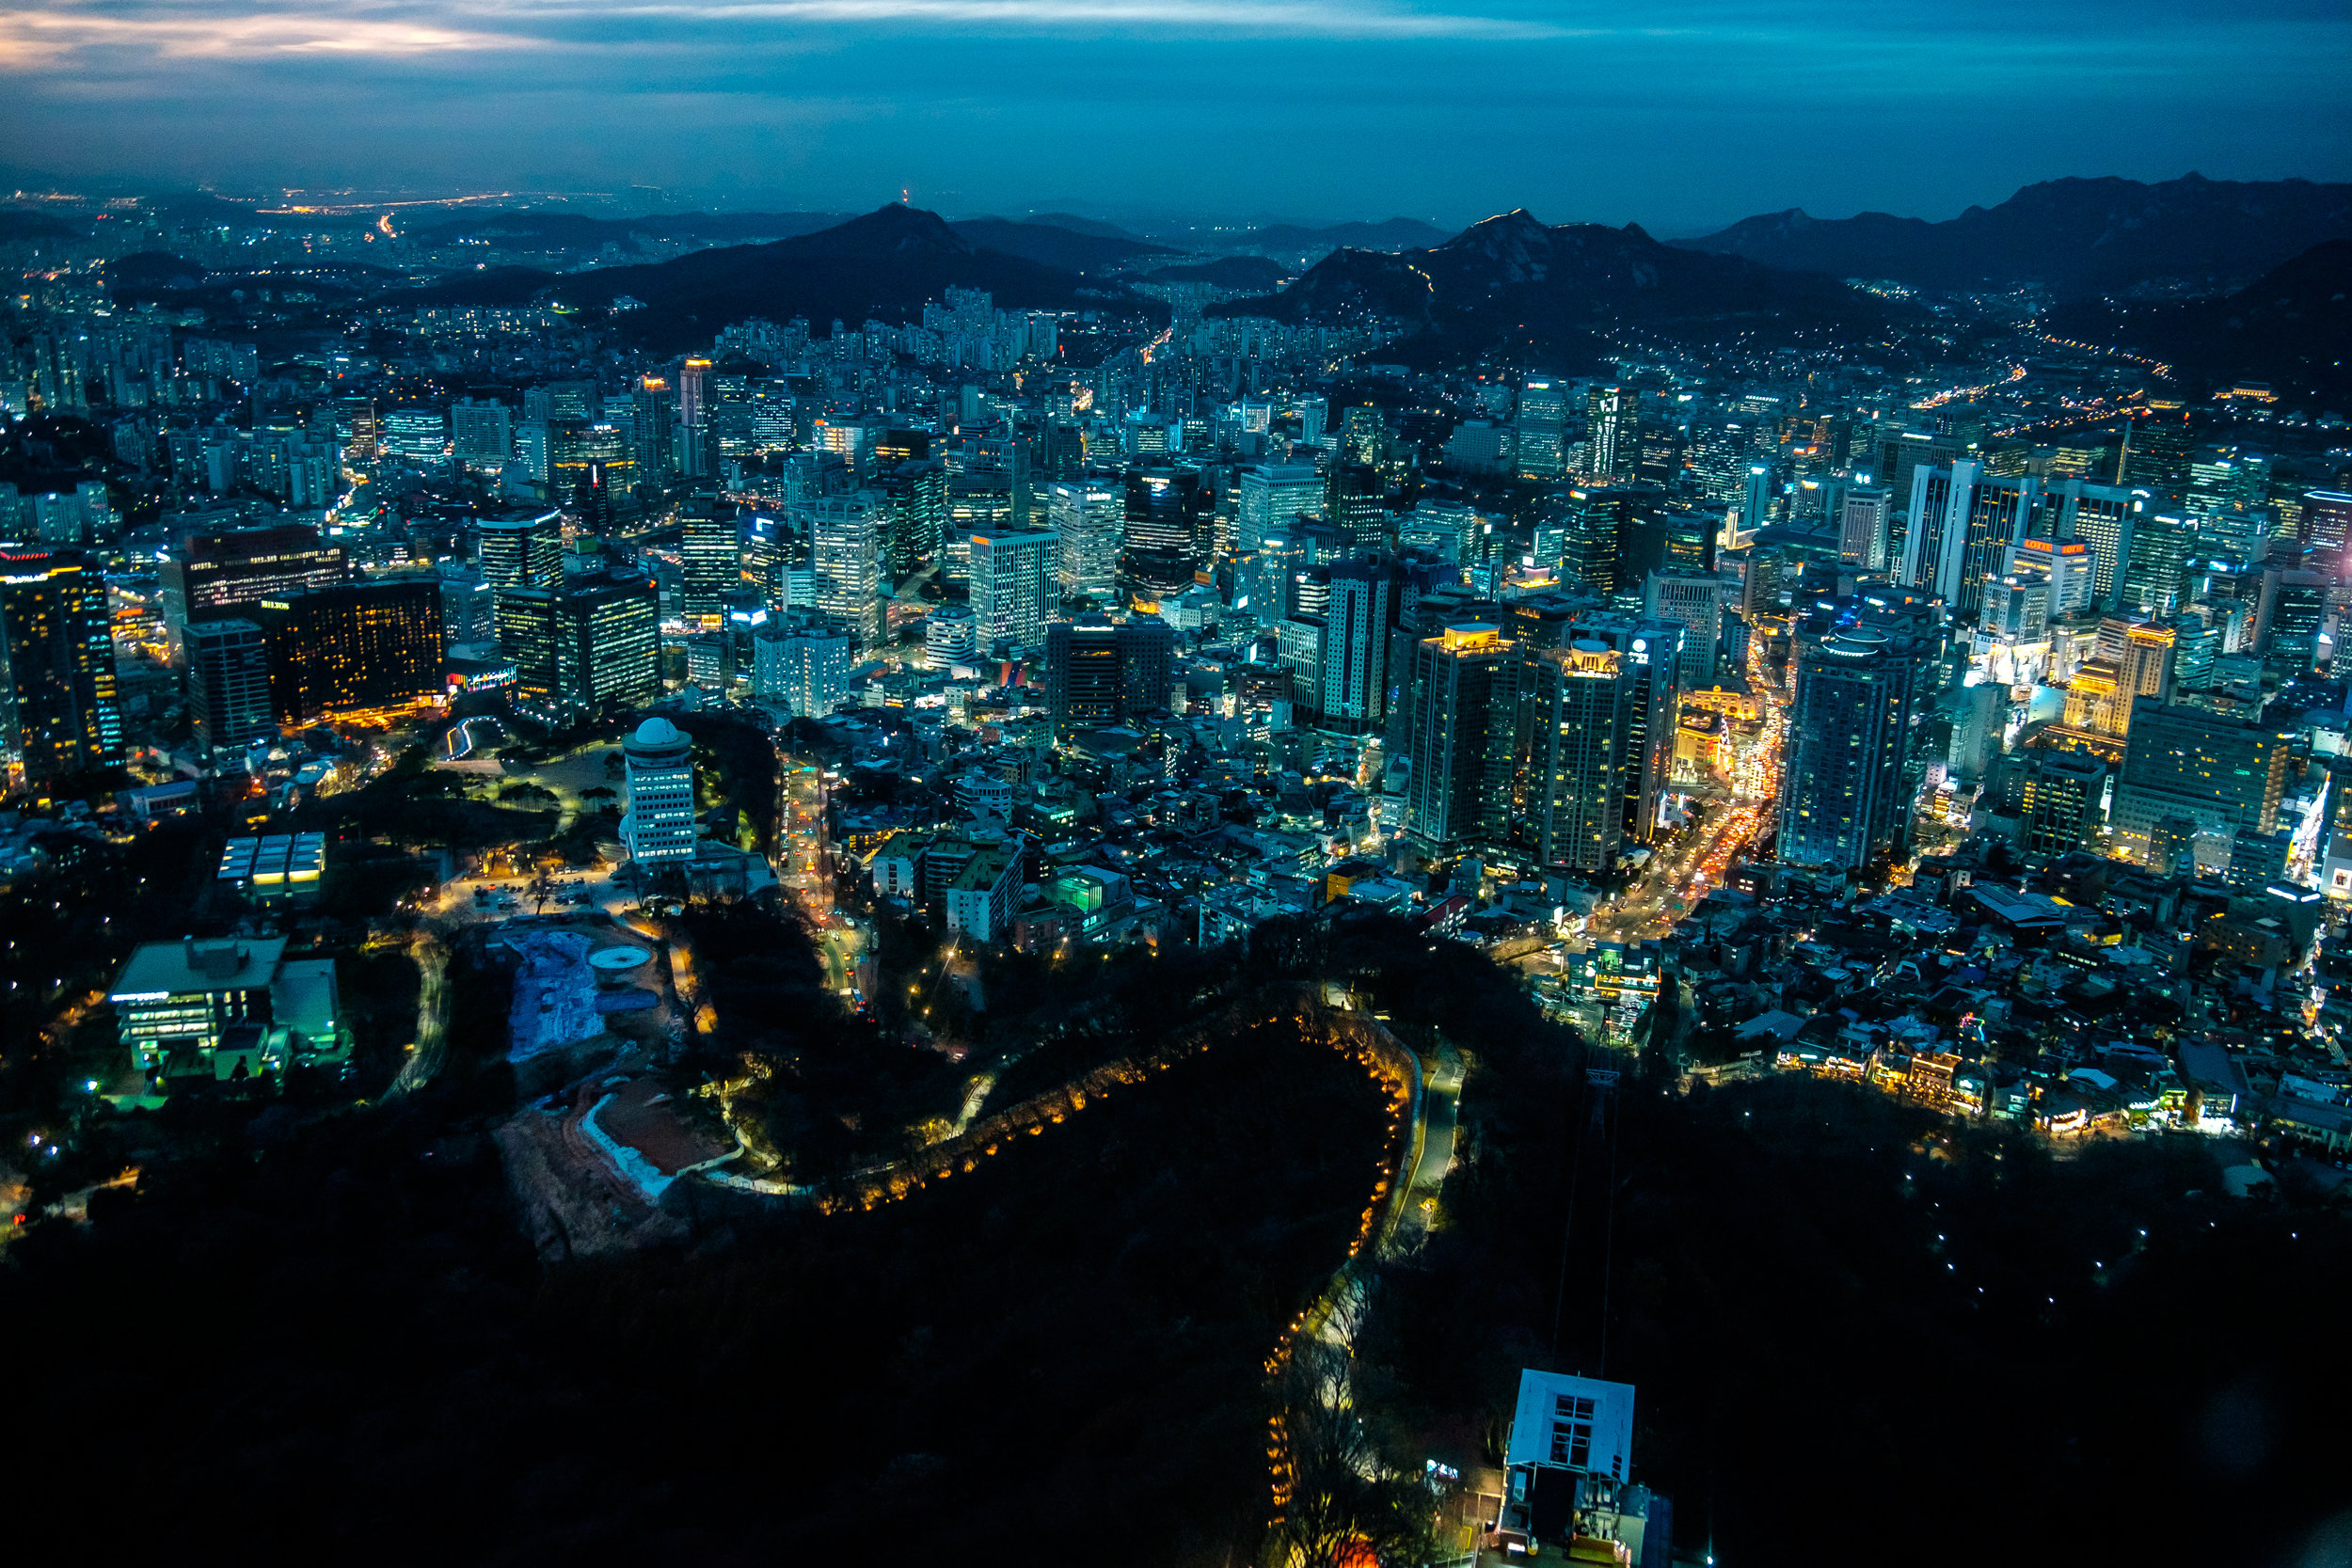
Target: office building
207 575
228 682
1464 687
57 683
1865 517
711 559
1013 585
2324 527
1842 798
846 552
696 448
1164 507
418 436
805 668
1613 430
524 549
1348 694
948 636
1270 499
658 772
361 648
2065 801
482 434
1569 800
593 647
1088 512
1542 442
1695 601
913 492
2210 769
1101 672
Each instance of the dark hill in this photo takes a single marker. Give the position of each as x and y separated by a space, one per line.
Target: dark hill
2293 328
19 224
1077 225
1513 282
578 232
2075 236
884 265
1051 245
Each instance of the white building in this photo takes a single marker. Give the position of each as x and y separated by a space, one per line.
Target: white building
808 670
658 765
1013 585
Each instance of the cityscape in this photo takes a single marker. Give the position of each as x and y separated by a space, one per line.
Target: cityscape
725 868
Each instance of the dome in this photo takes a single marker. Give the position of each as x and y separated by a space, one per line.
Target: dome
658 730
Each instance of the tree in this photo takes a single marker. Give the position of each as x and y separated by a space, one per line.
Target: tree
1346 1508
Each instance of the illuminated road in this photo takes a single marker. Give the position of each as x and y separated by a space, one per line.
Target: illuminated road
431 1052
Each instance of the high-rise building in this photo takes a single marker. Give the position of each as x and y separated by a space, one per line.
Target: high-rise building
1543 428
58 710
482 433
658 770
1569 801
654 429
524 549
364 647
805 668
1695 601
948 636
205 576
1864 516
2157 562
1613 430
1089 514
2212 768
914 493
2064 796
1012 584
2324 527
2156 451
845 550
1163 506
711 551
696 446
228 682
1843 796
1350 690
1270 497
2288 618
1101 672
593 647
1462 733
417 435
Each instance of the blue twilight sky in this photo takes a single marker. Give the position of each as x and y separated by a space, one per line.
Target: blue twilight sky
1681 116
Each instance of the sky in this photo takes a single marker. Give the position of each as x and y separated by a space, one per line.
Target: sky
1681 116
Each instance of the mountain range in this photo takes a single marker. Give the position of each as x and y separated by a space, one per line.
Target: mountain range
2074 237
1513 282
884 265
2292 328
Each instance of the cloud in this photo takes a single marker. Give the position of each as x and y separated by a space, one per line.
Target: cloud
43 39
49 38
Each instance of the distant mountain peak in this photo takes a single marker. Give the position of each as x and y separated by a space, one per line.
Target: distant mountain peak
895 227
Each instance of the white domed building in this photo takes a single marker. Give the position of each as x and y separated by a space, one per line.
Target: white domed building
659 762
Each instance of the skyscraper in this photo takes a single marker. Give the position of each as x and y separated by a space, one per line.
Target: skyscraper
227 681
694 444
805 668
57 683
1012 584
1465 688
1570 802
1863 518
1842 801
590 648
712 544
524 549
1543 428
1101 672
363 648
2213 769
846 554
1088 512
1164 503
1695 601
1270 497
2064 794
207 575
1613 429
